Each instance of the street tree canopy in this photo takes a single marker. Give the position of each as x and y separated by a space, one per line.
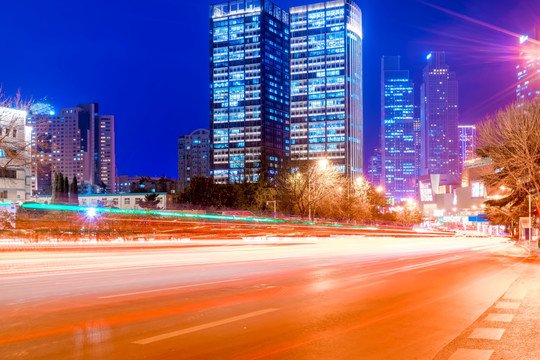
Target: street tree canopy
511 139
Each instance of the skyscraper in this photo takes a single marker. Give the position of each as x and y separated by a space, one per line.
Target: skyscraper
193 156
397 128
439 117
467 143
528 71
250 86
374 168
326 84
76 142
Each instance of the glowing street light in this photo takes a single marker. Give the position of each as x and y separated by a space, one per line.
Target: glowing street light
323 163
91 213
379 189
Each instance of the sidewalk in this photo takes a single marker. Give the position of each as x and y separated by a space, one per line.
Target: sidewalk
510 328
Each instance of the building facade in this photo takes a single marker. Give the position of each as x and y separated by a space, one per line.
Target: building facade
528 71
249 90
125 201
326 84
398 133
467 143
76 142
193 156
374 168
145 184
439 118
15 167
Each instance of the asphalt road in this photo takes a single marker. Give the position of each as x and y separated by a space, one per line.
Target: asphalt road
334 298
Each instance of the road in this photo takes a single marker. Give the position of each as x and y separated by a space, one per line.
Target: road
334 298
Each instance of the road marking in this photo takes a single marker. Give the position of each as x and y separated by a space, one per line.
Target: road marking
479 248
500 317
487 333
203 326
516 293
366 285
471 354
164 289
507 305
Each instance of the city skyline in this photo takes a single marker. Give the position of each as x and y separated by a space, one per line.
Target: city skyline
128 81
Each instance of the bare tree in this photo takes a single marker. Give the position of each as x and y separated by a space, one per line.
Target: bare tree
14 147
311 188
511 139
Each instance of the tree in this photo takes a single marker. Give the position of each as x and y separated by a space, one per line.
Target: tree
150 201
14 149
65 193
511 139
55 190
74 192
309 190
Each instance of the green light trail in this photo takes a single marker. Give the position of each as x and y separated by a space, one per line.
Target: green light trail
178 215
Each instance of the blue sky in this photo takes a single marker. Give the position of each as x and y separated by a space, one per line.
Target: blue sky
146 62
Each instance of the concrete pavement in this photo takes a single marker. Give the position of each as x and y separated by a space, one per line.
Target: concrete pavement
510 328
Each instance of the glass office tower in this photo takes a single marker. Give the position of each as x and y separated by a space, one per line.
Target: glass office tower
249 90
467 143
397 129
439 118
326 84
528 71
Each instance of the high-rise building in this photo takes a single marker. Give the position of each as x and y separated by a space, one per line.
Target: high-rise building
249 87
398 150
528 71
193 156
76 142
417 127
439 117
326 84
467 143
374 168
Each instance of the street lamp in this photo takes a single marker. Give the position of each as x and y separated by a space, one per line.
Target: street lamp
273 201
322 164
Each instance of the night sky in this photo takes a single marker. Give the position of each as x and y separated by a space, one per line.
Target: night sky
146 62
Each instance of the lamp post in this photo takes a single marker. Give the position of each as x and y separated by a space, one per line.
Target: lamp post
272 201
322 164
530 222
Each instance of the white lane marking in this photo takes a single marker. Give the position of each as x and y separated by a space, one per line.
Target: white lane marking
203 326
487 333
492 246
471 354
366 285
417 266
507 305
165 289
500 317
517 293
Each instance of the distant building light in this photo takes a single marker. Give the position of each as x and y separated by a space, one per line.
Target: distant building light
51 112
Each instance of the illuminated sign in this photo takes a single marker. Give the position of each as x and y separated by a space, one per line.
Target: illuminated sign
478 190
426 195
